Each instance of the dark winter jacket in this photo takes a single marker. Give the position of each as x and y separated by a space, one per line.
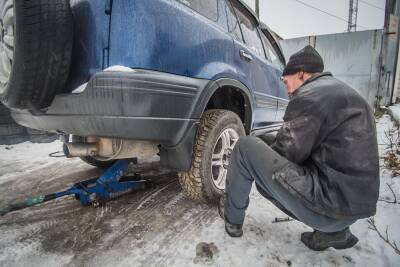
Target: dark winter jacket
329 130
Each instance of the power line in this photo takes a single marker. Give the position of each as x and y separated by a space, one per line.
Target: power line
372 5
326 13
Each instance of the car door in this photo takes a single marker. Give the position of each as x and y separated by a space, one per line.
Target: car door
274 71
249 60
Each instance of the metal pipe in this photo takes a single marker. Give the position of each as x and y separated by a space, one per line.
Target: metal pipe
106 149
111 149
79 150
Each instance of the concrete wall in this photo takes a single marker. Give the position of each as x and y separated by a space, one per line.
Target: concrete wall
352 57
392 52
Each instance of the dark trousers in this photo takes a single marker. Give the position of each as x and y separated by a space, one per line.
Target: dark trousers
254 161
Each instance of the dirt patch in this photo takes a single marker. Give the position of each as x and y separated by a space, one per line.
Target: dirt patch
205 253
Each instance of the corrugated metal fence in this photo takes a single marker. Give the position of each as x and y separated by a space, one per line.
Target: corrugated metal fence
354 58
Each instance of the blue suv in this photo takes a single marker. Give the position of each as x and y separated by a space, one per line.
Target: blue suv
181 79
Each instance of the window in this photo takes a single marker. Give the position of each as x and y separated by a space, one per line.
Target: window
249 29
233 23
272 55
208 8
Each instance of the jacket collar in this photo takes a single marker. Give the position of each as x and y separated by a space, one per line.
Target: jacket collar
311 79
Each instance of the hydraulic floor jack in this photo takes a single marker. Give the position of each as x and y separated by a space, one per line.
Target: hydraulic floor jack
110 185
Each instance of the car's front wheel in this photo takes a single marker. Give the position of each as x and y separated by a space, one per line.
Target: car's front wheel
218 133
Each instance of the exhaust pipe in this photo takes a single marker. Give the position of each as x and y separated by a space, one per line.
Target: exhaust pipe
105 149
72 150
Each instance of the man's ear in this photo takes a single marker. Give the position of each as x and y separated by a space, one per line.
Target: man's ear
301 75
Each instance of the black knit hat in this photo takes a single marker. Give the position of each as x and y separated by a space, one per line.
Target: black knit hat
307 60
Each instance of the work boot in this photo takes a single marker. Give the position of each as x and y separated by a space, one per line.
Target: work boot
233 230
319 241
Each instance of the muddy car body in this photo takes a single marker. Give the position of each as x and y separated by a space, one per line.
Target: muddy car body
188 77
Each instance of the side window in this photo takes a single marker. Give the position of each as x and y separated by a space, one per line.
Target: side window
249 29
207 8
272 56
233 23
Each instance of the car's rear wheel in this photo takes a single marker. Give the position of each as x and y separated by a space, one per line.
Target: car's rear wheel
36 39
218 133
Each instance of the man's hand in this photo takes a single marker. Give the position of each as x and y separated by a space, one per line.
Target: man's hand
268 138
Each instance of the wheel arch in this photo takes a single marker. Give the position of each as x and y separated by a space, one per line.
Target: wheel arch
221 88
180 157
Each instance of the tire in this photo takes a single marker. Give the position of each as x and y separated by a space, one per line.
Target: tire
31 131
11 130
97 163
11 134
91 160
6 119
200 182
37 43
4 110
40 137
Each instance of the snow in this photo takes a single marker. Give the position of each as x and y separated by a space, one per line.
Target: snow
80 89
118 68
162 228
395 112
26 157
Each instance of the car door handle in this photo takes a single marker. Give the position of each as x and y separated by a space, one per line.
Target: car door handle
246 56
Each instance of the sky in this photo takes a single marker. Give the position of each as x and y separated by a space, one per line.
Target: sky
290 18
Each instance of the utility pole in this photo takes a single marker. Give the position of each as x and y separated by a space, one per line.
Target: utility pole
353 12
258 8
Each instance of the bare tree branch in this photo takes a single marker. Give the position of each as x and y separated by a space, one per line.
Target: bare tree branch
394 201
392 244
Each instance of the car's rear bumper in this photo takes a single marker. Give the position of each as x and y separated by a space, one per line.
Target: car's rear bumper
167 131
139 104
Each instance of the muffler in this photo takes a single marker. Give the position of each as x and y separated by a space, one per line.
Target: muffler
106 149
72 150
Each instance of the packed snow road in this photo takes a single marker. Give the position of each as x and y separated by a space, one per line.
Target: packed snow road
158 226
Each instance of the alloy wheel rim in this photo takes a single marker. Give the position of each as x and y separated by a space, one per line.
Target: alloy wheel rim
221 156
7 33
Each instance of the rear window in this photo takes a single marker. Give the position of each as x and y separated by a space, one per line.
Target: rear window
207 8
272 55
233 23
249 29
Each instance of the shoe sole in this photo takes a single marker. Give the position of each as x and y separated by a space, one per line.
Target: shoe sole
349 244
233 235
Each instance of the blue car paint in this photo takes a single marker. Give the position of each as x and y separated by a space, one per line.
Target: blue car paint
91 31
157 39
168 36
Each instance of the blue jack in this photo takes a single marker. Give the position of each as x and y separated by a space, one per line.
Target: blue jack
110 185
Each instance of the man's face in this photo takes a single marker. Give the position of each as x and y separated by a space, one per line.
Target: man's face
293 81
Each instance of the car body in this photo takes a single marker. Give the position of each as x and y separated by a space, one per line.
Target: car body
180 58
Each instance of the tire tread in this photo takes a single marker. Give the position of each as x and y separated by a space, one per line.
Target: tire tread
192 181
43 52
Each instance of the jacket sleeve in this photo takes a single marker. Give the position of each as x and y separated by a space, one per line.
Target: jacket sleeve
300 132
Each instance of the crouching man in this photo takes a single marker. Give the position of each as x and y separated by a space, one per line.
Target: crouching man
323 167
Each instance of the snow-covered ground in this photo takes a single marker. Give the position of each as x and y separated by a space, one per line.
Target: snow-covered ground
159 227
